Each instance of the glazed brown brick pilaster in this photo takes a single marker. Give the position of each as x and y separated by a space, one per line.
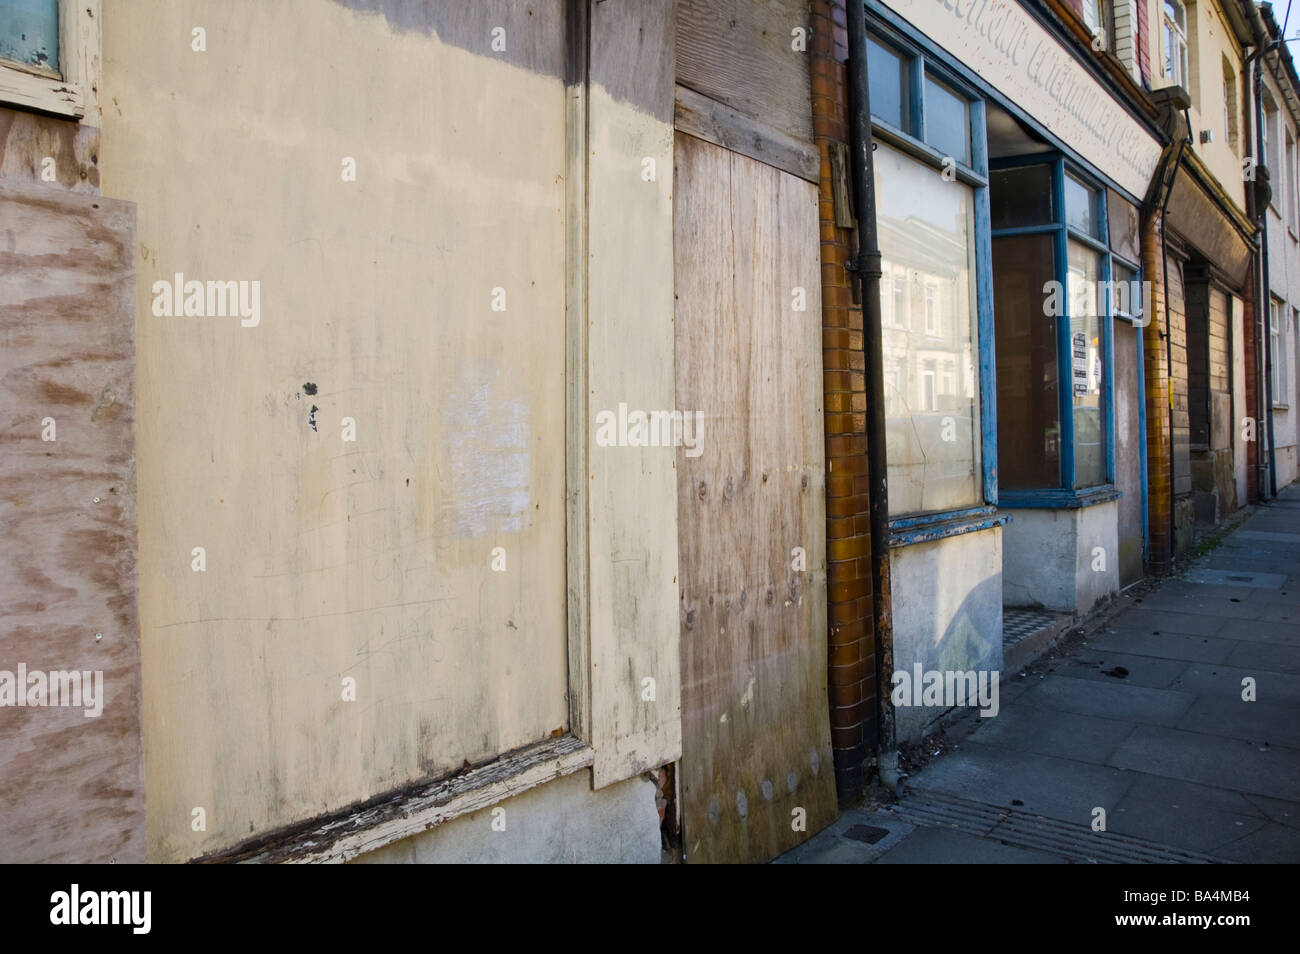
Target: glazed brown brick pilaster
852 680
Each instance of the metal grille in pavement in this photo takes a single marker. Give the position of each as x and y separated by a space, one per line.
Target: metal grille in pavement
1025 829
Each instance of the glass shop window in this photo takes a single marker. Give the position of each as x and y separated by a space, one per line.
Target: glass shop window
927 241
1029 419
947 121
888 85
1052 302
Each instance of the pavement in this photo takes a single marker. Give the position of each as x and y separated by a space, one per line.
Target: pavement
1183 767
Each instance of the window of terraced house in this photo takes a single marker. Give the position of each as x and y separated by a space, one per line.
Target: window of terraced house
1175 42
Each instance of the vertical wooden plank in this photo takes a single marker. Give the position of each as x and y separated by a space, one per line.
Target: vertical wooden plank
576 546
73 780
632 490
751 508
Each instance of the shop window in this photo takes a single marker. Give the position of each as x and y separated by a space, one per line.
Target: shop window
1026 197
887 74
931 177
927 234
1053 299
1175 38
1029 429
1081 207
947 121
1086 349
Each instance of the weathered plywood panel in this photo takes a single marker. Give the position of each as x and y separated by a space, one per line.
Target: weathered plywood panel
54 152
741 53
374 559
71 785
756 736
632 490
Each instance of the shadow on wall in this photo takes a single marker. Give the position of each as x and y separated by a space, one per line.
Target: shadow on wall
963 637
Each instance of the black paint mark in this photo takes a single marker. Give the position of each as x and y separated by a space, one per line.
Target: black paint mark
311 417
309 388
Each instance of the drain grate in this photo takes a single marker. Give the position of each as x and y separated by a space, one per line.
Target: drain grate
867 834
1024 829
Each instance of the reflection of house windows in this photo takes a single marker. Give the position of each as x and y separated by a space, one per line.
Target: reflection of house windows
931 308
927 234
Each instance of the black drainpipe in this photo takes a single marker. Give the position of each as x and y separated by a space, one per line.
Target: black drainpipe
866 266
1268 489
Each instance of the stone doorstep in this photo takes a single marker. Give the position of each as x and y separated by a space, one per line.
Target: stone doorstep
1019 654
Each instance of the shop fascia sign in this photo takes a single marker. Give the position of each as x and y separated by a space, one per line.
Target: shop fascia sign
1007 48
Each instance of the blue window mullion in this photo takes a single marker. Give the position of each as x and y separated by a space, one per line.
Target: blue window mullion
988 391
916 97
1108 347
1064 351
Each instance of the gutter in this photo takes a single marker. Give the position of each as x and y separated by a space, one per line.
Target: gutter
866 266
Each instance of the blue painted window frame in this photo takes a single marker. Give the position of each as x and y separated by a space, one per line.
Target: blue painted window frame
1068 493
919 528
887 26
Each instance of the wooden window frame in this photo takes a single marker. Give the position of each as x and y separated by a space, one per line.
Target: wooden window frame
72 93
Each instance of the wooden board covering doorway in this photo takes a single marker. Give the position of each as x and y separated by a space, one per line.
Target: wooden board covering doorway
756 753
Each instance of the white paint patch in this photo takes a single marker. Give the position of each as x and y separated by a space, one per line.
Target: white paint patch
490 461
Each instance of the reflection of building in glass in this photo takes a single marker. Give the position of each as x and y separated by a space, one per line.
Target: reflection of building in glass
931 406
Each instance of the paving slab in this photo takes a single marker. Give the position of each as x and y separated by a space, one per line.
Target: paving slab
1186 814
1263 631
1059 788
1121 668
1107 700
1165 646
1168 621
1053 732
1272 844
1210 760
1270 657
1278 688
1247 721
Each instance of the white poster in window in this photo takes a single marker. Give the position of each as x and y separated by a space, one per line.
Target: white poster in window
1079 348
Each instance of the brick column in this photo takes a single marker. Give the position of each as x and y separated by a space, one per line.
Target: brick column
852 681
1155 367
